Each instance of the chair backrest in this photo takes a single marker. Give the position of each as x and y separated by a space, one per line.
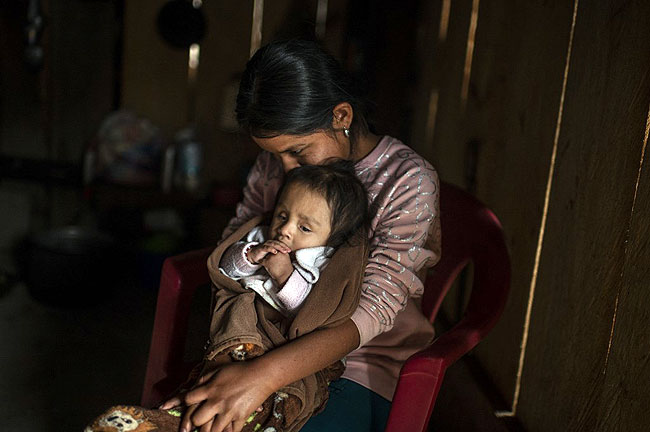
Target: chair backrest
181 276
470 232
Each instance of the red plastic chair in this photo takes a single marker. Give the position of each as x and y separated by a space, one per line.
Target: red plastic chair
166 367
470 232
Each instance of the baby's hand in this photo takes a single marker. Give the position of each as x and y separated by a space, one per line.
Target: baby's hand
278 266
258 252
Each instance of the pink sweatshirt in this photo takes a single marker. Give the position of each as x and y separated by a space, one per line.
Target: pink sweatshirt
403 191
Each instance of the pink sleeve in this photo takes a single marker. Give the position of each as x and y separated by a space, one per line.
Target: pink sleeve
408 213
294 292
235 263
262 184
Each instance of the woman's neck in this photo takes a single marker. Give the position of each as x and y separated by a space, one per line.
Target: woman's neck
365 145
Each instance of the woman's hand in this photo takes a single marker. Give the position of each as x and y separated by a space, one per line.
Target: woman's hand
176 401
234 391
225 398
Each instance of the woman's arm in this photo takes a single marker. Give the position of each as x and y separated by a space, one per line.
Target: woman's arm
408 216
309 353
229 395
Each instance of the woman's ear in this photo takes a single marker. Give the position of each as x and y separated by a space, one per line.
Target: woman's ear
343 115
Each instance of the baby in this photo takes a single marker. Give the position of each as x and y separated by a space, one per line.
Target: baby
282 288
318 209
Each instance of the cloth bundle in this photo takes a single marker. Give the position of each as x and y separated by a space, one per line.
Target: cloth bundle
244 326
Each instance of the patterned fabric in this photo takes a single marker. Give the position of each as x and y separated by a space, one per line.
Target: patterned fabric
135 419
403 192
138 419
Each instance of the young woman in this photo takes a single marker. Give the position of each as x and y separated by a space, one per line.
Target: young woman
300 107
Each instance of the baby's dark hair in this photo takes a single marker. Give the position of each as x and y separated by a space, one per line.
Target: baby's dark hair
346 196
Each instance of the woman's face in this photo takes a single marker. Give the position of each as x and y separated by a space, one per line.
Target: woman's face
314 149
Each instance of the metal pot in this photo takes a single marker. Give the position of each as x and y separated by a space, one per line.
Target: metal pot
70 266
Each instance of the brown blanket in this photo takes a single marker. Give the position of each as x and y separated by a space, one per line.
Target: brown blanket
245 326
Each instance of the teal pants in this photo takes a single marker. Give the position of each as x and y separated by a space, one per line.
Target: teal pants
350 408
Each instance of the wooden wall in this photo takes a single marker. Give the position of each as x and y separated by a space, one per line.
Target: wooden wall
52 112
155 75
541 109
552 136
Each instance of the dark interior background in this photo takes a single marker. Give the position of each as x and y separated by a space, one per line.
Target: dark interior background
538 108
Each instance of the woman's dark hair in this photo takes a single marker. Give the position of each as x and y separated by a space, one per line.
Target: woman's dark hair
291 88
337 182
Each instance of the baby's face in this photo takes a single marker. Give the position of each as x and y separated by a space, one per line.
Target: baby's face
301 218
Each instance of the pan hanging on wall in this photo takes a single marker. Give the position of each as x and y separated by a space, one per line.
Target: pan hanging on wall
181 23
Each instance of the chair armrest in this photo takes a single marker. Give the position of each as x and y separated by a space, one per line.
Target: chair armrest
422 375
181 276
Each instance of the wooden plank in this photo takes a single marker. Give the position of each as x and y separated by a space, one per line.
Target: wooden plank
52 112
386 30
625 402
511 112
335 39
81 60
425 109
286 19
583 257
154 75
511 116
22 127
224 53
446 58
